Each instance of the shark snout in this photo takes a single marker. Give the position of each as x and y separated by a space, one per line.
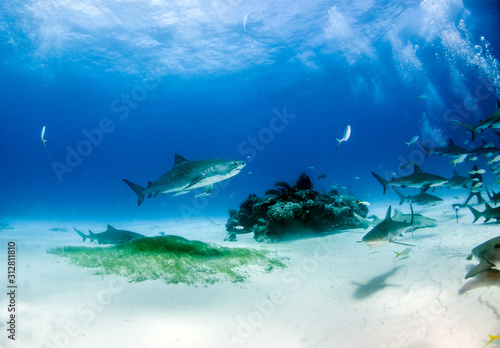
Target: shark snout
239 165
375 243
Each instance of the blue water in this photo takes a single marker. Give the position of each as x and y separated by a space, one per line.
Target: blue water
145 80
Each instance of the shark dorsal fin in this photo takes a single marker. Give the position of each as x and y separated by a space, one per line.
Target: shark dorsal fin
91 233
488 207
388 215
455 173
451 142
397 212
111 228
498 103
179 160
417 169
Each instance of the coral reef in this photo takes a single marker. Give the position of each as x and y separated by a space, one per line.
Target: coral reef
172 259
287 211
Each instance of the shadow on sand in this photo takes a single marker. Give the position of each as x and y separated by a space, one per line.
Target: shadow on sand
374 285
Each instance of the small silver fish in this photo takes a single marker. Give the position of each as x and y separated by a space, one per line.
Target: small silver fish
413 140
459 159
245 20
496 159
43 134
347 134
239 228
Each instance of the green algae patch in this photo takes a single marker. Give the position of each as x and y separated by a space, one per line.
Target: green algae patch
174 260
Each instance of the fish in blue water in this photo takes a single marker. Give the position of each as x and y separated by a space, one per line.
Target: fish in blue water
189 175
417 179
110 236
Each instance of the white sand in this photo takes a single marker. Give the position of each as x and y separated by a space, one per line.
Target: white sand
332 294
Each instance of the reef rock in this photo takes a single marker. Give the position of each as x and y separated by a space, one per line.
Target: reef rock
293 211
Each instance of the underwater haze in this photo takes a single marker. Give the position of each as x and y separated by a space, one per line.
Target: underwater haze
122 86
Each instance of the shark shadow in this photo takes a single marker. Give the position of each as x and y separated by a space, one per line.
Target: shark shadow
374 285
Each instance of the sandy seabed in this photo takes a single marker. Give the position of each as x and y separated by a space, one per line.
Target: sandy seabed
335 292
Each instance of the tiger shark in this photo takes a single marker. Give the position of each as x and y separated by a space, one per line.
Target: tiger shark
488 255
188 175
110 236
492 121
387 231
417 179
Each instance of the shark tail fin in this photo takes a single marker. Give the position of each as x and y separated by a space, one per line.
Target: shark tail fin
401 197
81 234
469 127
381 180
483 266
477 214
137 189
426 149
364 222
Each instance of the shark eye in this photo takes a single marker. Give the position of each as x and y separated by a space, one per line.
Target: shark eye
496 246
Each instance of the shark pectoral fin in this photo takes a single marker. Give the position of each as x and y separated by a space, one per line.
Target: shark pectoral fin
483 266
208 190
425 188
194 182
183 192
410 245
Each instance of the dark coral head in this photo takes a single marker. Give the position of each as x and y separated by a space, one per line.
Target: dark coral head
303 182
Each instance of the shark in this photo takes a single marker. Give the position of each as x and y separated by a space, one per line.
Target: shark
457 181
188 175
417 179
488 213
419 221
485 150
110 236
450 150
387 231
491 122
422 198
488 255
